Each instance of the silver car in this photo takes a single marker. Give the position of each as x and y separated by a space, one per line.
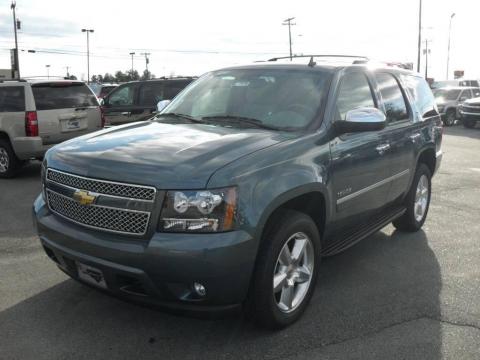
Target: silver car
37 115
449 99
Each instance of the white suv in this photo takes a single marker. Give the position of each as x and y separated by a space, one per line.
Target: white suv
36 115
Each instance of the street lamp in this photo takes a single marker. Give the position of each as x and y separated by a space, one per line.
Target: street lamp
449 33
48 71
88 31
131 54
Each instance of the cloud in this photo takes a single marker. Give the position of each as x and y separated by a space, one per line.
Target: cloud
37 26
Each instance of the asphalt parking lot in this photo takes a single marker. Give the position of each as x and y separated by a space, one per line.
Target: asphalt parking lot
394 295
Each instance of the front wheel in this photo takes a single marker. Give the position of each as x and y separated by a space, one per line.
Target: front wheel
417 201
286 272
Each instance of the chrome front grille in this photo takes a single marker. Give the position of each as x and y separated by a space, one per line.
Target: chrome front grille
99 217
129 191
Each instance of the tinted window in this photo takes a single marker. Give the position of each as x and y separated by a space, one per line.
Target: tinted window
354 93
392 96
105 91
61 95
422 95
123 96
173 88
151 93
466 94
12 98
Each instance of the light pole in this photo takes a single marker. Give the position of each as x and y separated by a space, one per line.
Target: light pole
419 50
131 54
448 51
147 61
88 31
16 71
289 23
48 71
426 51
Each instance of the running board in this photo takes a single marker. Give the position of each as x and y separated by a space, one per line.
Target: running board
341 244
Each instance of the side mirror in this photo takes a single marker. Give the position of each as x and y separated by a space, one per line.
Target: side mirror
162 105
101 101
362 119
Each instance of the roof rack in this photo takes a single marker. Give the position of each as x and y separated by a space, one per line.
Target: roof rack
364 58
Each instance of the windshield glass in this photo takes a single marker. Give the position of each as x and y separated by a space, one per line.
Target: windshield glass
446 94
276 98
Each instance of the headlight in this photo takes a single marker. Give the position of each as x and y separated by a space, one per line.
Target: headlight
199 211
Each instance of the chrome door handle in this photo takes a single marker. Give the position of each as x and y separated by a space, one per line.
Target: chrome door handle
126 113
414 137
382 148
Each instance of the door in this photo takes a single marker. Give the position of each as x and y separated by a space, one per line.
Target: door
402 136
65 110
359 160
119 106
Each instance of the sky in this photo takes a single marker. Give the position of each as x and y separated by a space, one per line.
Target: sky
192 37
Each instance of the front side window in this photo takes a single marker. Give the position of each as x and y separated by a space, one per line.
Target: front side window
12 98
422 95
466 94
123 96
277 98
354 93
476 92
392 96
151 93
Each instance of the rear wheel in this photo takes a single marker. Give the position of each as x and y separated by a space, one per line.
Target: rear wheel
469 123
286 273
450 117
9 163
417 201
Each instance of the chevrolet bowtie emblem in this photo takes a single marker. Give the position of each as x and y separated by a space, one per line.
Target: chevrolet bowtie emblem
84 197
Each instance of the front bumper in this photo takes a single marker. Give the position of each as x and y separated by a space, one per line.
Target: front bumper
160 271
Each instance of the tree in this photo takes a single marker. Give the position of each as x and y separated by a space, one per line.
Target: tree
147 75
108 78
94 79
132 76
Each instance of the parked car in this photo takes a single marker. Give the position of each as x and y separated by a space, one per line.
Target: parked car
137 100
237 189
450 83
470 112
36 115
104 89
449 99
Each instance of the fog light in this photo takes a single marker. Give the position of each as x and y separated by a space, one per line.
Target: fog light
199 289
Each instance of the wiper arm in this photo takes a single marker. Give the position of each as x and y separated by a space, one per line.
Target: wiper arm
239 120
182 116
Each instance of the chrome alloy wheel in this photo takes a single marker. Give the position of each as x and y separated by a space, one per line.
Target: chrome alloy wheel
4 160
293 272
421 198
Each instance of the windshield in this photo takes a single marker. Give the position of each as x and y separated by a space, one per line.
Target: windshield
447 94
273 98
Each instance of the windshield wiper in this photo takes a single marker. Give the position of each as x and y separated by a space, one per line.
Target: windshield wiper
182 116
240 120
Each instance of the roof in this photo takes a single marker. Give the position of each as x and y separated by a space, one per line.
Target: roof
457 88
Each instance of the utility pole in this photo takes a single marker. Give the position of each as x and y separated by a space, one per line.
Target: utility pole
146 60
48 71
16 70
68 74
131 54
419 36
448 51
290 24
426 51
88 31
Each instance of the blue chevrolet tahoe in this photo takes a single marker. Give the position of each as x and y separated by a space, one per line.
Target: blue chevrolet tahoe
233 193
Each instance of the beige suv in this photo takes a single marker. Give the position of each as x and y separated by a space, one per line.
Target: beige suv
36 115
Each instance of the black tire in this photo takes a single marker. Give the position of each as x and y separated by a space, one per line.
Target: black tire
9 163
450 117
469 123
262 302
408 221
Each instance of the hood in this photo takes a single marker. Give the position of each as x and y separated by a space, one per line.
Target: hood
473 101
167 156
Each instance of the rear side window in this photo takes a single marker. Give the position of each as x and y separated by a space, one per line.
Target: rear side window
151 93
173 88
393 100
122 96
12 98
50 96
422 95
354 93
